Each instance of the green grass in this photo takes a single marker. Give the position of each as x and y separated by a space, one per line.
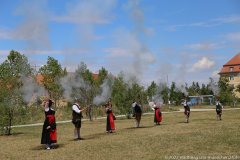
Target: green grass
203 136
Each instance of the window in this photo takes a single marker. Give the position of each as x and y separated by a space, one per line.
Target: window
231 69
231 78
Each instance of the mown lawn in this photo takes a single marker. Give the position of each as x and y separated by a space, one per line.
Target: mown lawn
203 136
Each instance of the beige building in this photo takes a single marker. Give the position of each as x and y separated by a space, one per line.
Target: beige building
231 70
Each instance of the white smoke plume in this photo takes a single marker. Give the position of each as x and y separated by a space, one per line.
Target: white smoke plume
72 81
214 87
134 44
31 89
105 94
182 88
157 98
34 27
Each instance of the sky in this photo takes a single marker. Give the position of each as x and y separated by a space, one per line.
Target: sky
155 40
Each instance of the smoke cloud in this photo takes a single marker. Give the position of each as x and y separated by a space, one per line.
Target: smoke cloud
182 88
31 89
132 43
34 26
73 81
214 87
105 94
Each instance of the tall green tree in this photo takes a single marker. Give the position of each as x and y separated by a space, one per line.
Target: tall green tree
87 89
11 70
102 75
165 94
176 95
152 90
52 72
226 93
120 95
124 94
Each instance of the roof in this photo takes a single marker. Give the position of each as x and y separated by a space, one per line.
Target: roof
234 61
39 78
232 66
95 76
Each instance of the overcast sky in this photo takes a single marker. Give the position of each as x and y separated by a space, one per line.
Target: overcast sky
184 40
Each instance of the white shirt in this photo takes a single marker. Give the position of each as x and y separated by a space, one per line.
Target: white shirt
76 109
47 109
185 103
218 103
134 104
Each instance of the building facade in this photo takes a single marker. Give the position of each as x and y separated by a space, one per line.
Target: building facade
231 70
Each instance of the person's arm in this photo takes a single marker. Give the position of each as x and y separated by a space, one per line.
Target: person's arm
76 109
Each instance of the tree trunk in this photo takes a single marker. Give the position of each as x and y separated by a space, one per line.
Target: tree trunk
10 123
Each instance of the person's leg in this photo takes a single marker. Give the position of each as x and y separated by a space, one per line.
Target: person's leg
75 133
78 133
139 120
187 117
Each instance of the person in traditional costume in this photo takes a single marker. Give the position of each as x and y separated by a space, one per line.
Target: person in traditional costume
157 114
49 130
137 113
186 110
77 118
219 108
110 118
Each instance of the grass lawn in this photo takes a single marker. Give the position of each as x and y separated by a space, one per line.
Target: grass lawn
203 136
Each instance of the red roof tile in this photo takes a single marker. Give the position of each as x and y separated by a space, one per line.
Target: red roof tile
232 66
39 78
234 61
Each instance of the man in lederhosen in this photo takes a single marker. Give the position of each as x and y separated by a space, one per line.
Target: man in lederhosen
137 113
77 118
186 110
219 108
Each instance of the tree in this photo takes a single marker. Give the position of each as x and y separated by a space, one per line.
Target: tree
152 90
205 90
172 96
120 95
52 72
226 93
11 70
176 95
124 94
86 88
164 93
102 75
137 93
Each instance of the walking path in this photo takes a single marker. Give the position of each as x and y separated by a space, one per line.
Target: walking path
119 116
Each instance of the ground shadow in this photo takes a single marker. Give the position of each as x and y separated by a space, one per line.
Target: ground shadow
140 127
13 134
92 136
43 147
184 122
206 119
